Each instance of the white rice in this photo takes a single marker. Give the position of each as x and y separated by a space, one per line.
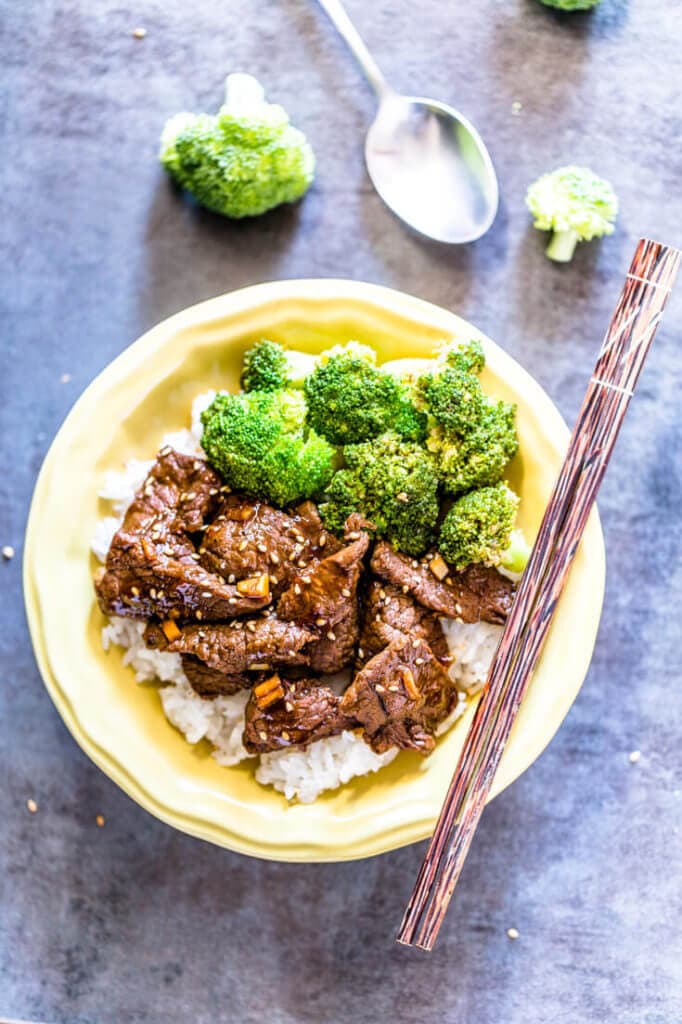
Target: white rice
299 774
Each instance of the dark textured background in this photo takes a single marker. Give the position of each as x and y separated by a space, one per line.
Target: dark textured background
133 922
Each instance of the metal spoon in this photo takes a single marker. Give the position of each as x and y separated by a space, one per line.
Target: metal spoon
426 161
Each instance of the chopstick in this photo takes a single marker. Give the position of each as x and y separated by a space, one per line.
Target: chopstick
625 347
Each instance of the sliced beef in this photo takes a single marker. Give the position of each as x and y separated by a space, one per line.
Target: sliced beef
478 592
257 644
335 648
292 714
322 594
248 538
400 696
324 597
208 682
389 614
152 565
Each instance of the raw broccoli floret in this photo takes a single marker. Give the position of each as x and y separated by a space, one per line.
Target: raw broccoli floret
259 443
265 367
478 527
575 204
571 5
479 458
394 484
350 401
243 161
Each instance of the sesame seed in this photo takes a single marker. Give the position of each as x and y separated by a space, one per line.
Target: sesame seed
243 544
320 622
199 614
31 805
251 626
232 578
274 558
284 734
635 756
353 535
262 548
415 563
135 591
378 617
152 593
322 540
516 108
263 735
379 688
331 635
393 688
419 661
458 608
300 538
417 642
65 378
206 593
273 579
405 588
297 589
100 820
361 653
345 592
288 705
8 552
512 933
232 600
382 594
139 33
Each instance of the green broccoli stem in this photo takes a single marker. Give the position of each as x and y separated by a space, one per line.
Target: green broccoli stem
243 92
562 246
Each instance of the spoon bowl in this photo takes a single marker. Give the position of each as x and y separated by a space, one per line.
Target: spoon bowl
426 161
430 167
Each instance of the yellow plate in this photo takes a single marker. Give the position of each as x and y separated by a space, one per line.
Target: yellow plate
146 392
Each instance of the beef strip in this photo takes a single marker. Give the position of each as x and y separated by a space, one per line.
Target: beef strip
389 614
477 592
306 711
400 696
248 538
151 567
258 643
325 597
209 682
322 594
329 654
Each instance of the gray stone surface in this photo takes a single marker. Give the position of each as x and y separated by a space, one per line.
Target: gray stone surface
133 922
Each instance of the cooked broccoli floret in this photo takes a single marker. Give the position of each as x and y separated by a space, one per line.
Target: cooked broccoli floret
571 5
575 205
350 401
258 442
350 348
479 458
478 527
394 484
265 367
243 161
454 398
468 357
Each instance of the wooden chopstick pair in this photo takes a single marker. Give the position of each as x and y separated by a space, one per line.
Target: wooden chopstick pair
625 347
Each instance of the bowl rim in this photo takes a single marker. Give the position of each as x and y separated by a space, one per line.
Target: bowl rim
385 300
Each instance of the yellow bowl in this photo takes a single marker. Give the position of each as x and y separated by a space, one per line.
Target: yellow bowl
146 392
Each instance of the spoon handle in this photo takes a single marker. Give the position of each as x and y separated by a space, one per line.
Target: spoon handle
347 31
